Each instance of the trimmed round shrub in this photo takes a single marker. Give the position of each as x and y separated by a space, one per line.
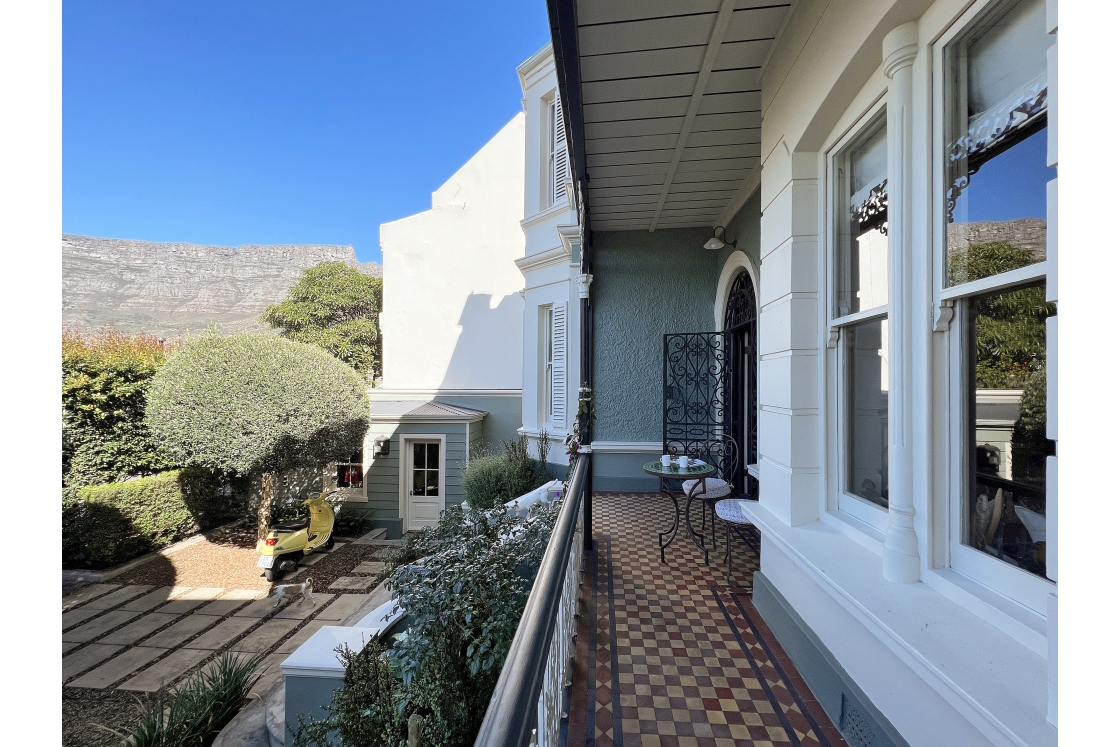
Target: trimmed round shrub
494 479
254 403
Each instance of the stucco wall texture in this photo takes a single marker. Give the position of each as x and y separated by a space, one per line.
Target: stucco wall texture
647 285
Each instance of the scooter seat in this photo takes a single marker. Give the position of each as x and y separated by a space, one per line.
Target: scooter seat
292 526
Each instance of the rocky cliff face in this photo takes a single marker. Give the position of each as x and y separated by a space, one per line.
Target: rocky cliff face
172 289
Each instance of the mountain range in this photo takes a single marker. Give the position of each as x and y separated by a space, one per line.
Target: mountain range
172 289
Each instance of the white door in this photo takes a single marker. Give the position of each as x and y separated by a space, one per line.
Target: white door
423 484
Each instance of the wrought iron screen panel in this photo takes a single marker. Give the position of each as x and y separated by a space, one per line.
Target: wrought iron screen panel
696 390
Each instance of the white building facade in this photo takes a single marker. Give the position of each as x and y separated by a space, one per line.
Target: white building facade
888 173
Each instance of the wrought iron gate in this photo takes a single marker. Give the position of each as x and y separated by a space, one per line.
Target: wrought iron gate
697 393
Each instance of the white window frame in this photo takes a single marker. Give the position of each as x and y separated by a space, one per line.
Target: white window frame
1020 586
870 516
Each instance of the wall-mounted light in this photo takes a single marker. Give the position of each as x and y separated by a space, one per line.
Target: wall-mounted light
381 446
718 240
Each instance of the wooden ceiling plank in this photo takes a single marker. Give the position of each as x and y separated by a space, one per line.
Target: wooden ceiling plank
719 28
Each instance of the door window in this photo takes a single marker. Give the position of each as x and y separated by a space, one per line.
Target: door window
425 469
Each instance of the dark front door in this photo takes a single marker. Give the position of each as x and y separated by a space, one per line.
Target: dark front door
740 323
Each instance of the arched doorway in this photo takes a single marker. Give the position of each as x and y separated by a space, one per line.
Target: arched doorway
740 324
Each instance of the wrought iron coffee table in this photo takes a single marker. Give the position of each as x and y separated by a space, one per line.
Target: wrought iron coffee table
666 475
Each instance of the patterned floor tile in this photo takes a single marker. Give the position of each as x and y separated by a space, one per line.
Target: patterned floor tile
669 653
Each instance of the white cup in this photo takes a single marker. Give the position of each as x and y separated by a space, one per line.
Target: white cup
665 460
683 462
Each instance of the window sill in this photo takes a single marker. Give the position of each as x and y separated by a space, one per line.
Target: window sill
558 209
994 680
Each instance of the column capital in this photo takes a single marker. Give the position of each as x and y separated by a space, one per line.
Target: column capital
900 47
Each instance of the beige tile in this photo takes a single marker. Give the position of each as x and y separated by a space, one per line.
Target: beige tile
352 583
302 635
118 597
99 626
165 671
246 594
258 609
343 607
153 599
181 631
86 658
118 668
85 594
145 626
222 633
221 607
299 608
266 636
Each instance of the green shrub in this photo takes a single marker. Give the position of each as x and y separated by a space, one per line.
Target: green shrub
194 713
103 525
105 381
493 479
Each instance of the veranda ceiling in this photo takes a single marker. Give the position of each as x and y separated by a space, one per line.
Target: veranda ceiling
668 104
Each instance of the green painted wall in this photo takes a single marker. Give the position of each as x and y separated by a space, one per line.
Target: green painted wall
503 414
383 474
647 285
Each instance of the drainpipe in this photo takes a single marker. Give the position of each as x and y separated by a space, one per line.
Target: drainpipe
586 348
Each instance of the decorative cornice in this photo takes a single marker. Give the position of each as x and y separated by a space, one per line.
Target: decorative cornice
553 212
554 256
532 65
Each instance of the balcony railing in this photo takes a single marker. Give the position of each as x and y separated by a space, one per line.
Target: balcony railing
526 707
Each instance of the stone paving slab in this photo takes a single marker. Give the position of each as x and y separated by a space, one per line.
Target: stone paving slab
68 645
191 598
246 594
118 597
260 608
78 616
146 625
181 631
165 671
299 608
270 672
352 583
342 607
221 607
87 658
118 668
312 559
370 537
369 567
264 637
223 633
153 599
86 593
99 626
302 635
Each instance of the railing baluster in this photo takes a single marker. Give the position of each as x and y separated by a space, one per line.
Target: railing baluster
536 666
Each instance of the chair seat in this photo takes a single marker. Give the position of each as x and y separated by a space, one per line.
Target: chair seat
729 511
713 488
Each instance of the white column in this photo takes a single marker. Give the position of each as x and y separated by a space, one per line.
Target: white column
901 562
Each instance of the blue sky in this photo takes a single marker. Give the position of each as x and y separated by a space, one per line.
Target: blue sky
279 122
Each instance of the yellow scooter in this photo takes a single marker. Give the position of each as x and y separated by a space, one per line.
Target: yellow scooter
289 541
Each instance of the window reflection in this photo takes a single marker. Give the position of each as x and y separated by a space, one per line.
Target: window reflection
1005 514
867 389
862 224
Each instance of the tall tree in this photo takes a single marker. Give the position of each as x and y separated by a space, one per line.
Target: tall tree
335 307
255 404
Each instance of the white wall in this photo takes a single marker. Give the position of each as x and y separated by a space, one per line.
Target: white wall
452 309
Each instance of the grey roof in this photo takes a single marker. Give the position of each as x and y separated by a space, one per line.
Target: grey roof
421 410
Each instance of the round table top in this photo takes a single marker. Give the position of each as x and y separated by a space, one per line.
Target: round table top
656 468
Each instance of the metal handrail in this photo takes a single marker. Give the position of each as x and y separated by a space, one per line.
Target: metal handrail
511 716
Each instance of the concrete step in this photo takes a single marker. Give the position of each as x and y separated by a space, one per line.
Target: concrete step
371 538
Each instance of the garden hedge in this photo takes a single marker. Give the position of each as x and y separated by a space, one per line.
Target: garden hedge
103 525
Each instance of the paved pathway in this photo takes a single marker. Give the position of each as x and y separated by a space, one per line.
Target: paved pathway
138 638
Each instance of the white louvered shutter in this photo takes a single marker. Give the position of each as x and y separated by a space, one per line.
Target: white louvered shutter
559 365
560 149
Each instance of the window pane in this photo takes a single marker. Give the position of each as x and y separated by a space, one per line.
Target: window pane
1005 509
867 385
861 231
418 482
996 149
418 456
432 482
433 456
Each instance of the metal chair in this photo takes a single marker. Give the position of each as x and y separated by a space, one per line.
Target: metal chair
722 452
729 511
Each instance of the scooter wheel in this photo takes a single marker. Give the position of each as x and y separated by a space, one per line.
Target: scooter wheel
330 543
269 575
